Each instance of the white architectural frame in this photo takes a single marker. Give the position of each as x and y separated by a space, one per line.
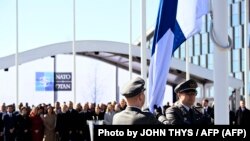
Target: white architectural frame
116 53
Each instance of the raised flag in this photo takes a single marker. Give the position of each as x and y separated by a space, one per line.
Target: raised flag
177 20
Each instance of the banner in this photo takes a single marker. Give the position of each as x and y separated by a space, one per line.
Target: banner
50 81
169 132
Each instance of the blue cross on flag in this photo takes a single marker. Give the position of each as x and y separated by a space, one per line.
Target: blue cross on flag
177 20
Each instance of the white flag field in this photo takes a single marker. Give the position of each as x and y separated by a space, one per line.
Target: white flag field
177 20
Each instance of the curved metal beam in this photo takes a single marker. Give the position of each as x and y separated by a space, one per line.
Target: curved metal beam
203 75
65 48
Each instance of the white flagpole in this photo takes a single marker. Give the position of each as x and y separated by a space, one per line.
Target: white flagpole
16 58
143 44
221 98
246 40
74 53
187 61
130 40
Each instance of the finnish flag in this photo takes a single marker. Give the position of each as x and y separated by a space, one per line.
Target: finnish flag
177 20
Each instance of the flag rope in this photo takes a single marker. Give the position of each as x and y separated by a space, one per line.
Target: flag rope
213 36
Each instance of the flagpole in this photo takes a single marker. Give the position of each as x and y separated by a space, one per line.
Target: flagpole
130 39
221 98
187 60
143 44
74 53
246 40
16 57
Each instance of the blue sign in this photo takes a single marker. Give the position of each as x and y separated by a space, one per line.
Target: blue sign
63 81
44 81
50 81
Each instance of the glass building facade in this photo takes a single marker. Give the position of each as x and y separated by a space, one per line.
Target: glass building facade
201 47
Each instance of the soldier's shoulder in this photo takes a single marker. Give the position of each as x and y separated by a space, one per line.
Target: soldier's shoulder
118 114
148 114
172 109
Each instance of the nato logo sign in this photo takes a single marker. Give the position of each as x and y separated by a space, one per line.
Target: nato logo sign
44 81
63 81
50 81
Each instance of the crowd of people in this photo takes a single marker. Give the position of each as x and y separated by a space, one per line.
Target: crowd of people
64 121
50 123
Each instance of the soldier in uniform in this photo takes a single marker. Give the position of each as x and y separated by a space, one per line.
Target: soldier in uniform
135 97
183 111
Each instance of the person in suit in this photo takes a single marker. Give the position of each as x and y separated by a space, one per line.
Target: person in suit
84 116
207 110
71 122
9 120
135 98
61 129
1 126
183 112
242 115
231 117
2 113
98 115
23 126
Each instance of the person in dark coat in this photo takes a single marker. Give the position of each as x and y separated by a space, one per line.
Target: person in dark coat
135 97
231 117
207 110
98 114
242 115
71 122
61 129
1 126
84 116
184 112
23 126
9 120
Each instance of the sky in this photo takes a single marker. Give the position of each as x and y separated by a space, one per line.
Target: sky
44 22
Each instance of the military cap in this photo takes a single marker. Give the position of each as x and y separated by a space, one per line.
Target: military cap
133 87
186 86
